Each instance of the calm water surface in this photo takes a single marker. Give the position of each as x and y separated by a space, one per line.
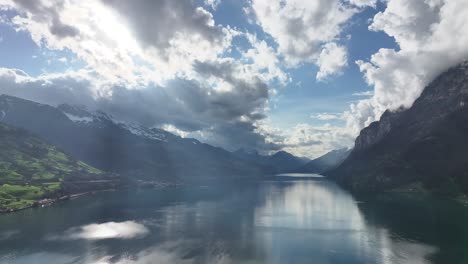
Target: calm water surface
300 221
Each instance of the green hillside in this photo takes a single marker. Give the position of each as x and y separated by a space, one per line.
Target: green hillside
31 170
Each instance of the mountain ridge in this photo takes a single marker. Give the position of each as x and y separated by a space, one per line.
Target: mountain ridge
281 161
125 148
424 144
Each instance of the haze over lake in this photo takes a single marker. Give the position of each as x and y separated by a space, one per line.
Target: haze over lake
295 221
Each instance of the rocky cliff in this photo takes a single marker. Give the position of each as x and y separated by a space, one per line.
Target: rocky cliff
425 144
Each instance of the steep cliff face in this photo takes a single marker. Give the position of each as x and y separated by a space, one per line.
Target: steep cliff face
376 131
426 143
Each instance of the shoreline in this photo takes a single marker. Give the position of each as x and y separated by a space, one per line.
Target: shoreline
46 202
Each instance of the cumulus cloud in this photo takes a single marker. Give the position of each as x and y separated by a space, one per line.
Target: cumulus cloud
306 31
109 230
212 3
171 65
332 60
49 14
85 28
363 3
165 69
306 140
432 37
157 23
126 43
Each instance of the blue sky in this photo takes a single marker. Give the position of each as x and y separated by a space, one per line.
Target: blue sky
299 76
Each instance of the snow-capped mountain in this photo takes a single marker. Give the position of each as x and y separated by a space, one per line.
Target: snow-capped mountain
82 116
122 147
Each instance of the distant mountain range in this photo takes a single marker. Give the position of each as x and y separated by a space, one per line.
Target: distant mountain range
126 148
326 162
138 152
425 146
31 169
280 162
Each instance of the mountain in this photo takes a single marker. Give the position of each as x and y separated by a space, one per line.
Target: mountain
326 162
280 162
31 170
125 148
425 145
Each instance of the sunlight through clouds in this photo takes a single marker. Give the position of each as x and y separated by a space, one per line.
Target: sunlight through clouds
219 79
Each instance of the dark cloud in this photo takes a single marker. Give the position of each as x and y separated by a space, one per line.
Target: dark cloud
186 104
246 96
49 15
223 116
61 30
157 22
238 134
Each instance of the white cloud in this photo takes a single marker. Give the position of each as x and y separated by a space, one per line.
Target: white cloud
171 52
330 137
305 140
366 93
179 60
332 60
135 54
84 27
265 60
409 22
212 3
432 37
326 116
301 27
363 3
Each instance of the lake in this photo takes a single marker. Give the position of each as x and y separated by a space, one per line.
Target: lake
276 221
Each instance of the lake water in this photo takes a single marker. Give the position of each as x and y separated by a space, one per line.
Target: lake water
296 221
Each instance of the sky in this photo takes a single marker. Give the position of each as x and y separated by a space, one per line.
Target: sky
300 76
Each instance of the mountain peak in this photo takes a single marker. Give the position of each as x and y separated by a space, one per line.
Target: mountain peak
283 153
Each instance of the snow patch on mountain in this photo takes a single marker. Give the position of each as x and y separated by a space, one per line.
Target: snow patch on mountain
79 119
82 116
142 131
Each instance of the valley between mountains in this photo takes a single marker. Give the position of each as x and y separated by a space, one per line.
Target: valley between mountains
50 152
54 152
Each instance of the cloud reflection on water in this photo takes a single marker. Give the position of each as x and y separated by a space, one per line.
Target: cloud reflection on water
311 221
328 220
109 230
